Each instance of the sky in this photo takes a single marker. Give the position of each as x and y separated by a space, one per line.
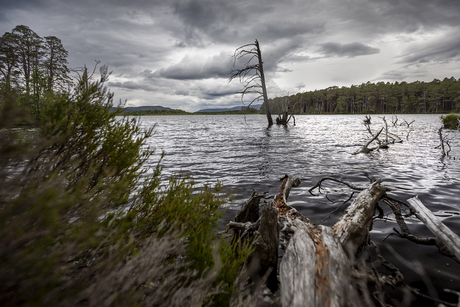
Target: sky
178 53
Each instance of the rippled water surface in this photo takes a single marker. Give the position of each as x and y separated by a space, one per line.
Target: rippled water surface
244 155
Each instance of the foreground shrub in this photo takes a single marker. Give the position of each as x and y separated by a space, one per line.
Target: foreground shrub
81 221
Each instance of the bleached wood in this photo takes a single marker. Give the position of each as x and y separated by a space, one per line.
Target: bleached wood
315 270
353 226
434 224
297 269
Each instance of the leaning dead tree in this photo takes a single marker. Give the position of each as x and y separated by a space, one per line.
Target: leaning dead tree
323 265
252 74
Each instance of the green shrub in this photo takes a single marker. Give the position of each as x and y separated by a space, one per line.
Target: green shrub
451 121
81 221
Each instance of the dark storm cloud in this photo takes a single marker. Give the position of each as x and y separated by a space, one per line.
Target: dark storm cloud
206 14
350 50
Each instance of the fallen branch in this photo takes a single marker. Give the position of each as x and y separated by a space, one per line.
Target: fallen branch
365 148
443 233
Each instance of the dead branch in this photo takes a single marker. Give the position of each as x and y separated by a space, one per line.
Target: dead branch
394 121
443 233
443 142
286 117
365 148
338 208
385 143
408 124
396 139
318 185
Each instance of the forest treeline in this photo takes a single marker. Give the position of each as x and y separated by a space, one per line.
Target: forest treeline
399 97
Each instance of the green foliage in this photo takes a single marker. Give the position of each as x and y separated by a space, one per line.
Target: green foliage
417 97
80 214
451 121
31 65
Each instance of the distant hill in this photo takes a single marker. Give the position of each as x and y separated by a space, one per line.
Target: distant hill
144 108
237 108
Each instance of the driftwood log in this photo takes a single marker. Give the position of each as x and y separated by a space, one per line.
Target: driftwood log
318 267
434 224
319 256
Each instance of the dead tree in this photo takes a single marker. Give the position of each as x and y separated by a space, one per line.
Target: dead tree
443 142
252 75
288 112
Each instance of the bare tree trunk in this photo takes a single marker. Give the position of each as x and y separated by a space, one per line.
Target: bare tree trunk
264 87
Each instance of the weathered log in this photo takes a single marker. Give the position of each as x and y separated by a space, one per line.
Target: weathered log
441 231
353 226
315 270
265 255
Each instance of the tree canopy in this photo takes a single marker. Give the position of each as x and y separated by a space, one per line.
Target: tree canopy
32 65
399 97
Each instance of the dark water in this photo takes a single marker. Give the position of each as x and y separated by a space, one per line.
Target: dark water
244 155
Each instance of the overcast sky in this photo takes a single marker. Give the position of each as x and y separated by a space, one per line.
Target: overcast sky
177 53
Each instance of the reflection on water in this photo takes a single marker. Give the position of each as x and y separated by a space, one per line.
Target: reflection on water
242 153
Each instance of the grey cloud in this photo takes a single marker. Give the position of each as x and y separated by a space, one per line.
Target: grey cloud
131 85
205 14
403 74
350 50
414 14
219 92
443 50
218 66
299 86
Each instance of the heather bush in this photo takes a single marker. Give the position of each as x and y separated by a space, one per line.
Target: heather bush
82 222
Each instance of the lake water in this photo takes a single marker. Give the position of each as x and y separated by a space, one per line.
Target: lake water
244 155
